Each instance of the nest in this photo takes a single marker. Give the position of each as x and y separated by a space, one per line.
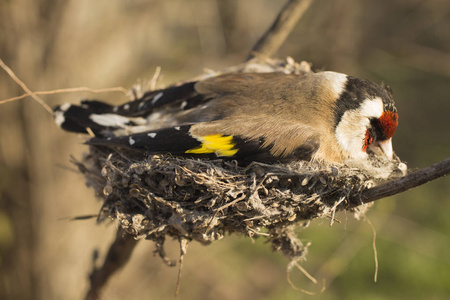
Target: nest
204 200
153 197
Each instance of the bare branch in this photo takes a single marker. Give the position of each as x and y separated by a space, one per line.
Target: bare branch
272 40
118 255
404 183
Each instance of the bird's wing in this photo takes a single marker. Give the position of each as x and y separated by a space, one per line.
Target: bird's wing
233 83
232 115
180 141
104 120
173 106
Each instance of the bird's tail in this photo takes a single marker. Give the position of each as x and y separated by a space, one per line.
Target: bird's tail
103 119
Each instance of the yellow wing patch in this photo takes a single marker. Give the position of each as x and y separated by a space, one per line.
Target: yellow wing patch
221 145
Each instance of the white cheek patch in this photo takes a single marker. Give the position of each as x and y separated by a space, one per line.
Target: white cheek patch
350 133
337 81
351 130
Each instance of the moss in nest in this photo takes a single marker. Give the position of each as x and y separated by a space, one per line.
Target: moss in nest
203 200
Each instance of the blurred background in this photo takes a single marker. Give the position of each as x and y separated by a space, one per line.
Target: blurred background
53 44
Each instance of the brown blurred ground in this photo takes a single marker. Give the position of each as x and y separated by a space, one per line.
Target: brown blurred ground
54 44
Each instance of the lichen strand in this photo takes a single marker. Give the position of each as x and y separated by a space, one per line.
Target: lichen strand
158 196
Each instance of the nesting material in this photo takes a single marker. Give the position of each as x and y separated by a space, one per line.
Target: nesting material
153 197
203 200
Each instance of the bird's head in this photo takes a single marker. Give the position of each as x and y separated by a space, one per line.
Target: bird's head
366 119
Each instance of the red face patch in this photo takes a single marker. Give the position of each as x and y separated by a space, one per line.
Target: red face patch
368 140
388 123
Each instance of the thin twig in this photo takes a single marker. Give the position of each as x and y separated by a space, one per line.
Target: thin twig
403 184
303 270
68 90
57 91
288 278
155 78
272 40
374 246
183 250
118 255
24 87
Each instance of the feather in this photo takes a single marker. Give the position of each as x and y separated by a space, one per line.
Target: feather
244 116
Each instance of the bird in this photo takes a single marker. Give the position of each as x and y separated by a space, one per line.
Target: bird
267 117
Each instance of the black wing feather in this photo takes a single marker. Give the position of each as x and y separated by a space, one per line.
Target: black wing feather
171 140
77 118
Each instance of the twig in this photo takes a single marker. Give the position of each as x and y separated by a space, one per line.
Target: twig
155 78
118 255
309 276
183 250
24 87
272 40
303 270
68 90
374 246
403 184
57 91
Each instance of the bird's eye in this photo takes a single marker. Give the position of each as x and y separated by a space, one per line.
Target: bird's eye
368 140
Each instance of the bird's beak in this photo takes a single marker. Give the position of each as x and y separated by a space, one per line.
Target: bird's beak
383 146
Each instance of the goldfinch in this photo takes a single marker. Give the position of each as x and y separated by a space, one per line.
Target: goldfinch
266 117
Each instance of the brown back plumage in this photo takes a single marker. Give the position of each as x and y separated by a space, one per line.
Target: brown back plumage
288 111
